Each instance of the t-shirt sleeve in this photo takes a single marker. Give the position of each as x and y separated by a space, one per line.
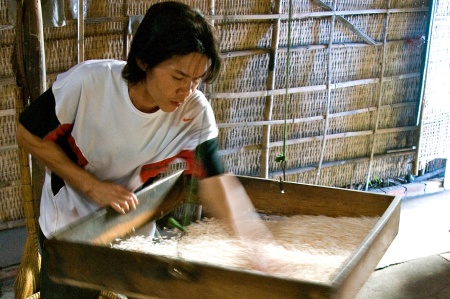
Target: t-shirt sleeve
39 118
207 153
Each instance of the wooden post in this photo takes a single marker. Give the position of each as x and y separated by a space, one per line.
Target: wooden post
31 76
80 31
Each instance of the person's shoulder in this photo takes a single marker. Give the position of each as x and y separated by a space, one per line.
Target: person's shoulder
98 65
198 97
91 69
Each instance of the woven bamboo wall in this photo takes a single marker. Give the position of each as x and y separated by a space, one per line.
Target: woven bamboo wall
11 210
435 127
351 105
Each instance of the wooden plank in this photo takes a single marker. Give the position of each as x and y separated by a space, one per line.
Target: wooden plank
141 275
353 276
306 199
298 170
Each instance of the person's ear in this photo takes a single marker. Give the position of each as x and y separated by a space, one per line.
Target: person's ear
142 65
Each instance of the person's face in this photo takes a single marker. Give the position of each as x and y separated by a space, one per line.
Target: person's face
169 83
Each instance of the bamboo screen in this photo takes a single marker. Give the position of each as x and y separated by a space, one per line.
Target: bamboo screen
435 124
334 87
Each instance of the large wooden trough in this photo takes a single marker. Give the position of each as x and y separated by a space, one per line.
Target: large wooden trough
81 255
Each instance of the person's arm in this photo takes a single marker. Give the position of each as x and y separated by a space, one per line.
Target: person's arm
225 197
35 123
207 153
53 157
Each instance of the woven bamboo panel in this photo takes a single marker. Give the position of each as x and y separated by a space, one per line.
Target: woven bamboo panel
435 135
443 8
104 47
300 105
395 140
7 37
411 26
6 56
243 163
403 58
298 130
343 175
299 6
409 3
10 190
7 130
104 28
65 32
354 98
351 123
60 55
237 137
243 74
401 91
139 7
398 117
243 7
307 67
99 8
399 166
235 36
307 31
10 203
9 167
8 97
302 154
372 25
341 149
238 110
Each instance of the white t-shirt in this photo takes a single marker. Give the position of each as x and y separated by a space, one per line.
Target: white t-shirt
115 141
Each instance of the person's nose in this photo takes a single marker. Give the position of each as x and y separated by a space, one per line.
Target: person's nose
187 87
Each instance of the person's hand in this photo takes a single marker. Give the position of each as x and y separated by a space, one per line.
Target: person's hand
116 196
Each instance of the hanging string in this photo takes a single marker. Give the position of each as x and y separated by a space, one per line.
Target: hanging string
282 158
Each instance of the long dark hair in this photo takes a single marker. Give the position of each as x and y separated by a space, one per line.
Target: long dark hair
169 29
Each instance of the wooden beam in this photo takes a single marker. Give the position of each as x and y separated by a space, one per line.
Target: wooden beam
297 170
346 23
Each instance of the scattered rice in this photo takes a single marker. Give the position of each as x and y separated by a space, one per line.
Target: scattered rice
303 247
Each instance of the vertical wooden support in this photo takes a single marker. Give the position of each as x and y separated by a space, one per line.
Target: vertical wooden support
212 11
329 82
380 97
270 85
32 80
80 31
125 49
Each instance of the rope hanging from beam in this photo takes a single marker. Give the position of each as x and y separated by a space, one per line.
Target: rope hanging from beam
282 158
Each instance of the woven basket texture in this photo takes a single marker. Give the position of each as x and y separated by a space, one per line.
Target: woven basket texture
349 105
310 123
435 141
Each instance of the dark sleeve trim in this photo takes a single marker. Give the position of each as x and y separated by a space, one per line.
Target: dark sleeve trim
207 153
39 118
